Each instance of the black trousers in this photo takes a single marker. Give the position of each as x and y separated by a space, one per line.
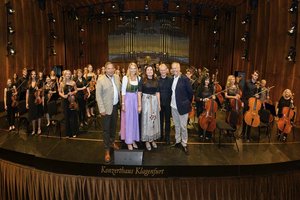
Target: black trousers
165 115
81 109
71 120
246 128
11 115
109 124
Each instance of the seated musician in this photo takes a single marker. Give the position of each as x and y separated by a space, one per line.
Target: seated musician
204 90
232 92
286 100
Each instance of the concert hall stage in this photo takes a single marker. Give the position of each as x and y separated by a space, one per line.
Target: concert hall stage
84 155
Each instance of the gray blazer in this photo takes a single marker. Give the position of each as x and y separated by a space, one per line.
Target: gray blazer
105 93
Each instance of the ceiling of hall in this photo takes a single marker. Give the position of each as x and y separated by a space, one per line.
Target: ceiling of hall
172 3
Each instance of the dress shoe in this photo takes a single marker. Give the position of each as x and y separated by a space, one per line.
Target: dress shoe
177 145
185 150
135 145
115 146
107 156
148 146
129 146
154 145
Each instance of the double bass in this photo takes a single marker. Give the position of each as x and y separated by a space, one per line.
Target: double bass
284 123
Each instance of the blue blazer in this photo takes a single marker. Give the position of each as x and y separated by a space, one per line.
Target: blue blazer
183 95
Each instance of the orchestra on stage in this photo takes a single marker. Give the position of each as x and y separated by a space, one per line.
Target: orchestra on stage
146 100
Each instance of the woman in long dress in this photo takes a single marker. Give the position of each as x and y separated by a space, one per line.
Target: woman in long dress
129 115
149 97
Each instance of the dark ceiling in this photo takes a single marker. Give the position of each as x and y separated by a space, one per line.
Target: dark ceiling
152 3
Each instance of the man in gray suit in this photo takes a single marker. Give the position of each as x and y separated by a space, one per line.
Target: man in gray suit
107 96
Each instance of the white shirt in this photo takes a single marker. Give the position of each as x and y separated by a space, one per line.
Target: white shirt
116 96
173 99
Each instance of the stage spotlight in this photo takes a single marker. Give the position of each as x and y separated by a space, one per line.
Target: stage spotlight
215 31
9 8
121 18
246 19
173 19
294 6
215 58
10 49
216 17
146 5
53 51
245 37
136 17
291 55
53 35
113 6
147 18
292 30
81 41
51 18
177 5
109 19
10 29
245 55
81 29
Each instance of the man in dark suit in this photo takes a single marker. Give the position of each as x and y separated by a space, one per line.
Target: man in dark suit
182 96
165 85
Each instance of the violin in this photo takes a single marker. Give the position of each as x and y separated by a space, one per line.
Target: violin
218 88
38 96
14 98
72 100
284 123
207 119
92 85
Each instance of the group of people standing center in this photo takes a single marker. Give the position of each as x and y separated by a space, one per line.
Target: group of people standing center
154 99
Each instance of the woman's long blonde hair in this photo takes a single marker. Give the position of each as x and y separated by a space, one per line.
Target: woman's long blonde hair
228 83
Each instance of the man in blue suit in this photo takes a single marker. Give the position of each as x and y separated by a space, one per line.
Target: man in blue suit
182 95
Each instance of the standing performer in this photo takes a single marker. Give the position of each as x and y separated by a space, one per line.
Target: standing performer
49 91
10 103
130 131
82 95
68 90
22 84
250 90
182 95
34 102
165 88
204 90
149 98
232 101
108 95
90 77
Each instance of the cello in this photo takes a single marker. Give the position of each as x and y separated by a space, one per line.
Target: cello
235 117
284 123
252 117
207 119
218 88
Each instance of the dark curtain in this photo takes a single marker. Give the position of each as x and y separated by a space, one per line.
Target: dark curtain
21 182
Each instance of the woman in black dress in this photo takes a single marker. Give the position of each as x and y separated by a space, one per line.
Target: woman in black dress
49 91
34 102
204 90
82 95
68 90
10 97
90 77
